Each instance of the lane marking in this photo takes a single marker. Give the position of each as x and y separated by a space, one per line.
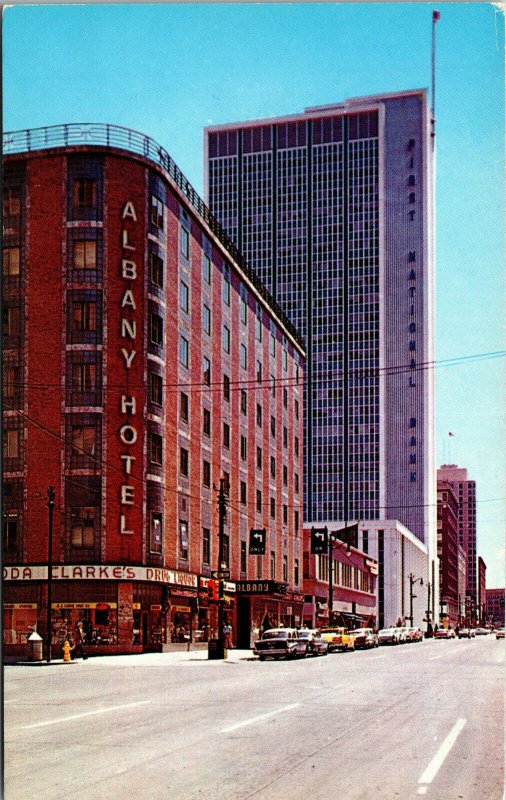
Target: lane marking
430 773
85 714
259 718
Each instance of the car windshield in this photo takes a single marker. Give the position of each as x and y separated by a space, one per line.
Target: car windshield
305 634
275 635
386 630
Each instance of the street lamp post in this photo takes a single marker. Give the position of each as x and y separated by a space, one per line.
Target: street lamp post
412 581
50 505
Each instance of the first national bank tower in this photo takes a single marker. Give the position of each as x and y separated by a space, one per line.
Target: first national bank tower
333 209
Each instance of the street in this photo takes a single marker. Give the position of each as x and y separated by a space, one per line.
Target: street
423 719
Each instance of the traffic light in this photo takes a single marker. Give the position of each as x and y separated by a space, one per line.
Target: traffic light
221 590
213 590
319 540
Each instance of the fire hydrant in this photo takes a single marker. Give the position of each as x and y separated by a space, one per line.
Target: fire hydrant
66 652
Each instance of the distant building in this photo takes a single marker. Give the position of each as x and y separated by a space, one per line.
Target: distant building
462 572
448 544
143 364
465 491
482 591
495 607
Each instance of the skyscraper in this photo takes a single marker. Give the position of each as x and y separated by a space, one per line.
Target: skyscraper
333 209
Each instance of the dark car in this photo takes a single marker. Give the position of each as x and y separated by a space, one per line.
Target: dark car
316 646
364 638
281 643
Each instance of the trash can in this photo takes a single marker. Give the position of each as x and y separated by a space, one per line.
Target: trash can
215 649
35 647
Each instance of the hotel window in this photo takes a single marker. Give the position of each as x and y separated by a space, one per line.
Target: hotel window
285 397
258 329
155 388
11 443
82 530
285 569
206 268
10 531
183 461
84 254
83 440
226 339
226 290
296 483
156 329
244 448
273 426
243 564
296 408
83 377
273 565
156 270
226 435
226 551
10 261
296 523
285 475
296 446
85 193
273 385
156 212
11 202
206 371
259 458
184 297
259 372
273 508
285 514
184 242
273 467
11 387
11 321
156 532
259 415
285 436
184 351
259 501
155 448
184 542
206 545
206 319
244 401
206 473
84 315
206 422
272 345
184 407
226 387
243 310
243 356
243 493
285 360
296 571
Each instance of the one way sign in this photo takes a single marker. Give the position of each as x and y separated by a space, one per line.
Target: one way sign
319 540
257 539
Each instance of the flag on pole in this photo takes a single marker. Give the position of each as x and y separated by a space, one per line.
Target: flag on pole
435 16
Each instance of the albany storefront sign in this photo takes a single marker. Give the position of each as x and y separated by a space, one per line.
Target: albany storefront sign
65 572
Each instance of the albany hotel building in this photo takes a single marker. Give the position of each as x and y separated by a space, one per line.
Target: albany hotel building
144 366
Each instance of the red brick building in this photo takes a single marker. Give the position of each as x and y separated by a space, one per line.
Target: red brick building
143 364
482 591
495 607
448 553
354 596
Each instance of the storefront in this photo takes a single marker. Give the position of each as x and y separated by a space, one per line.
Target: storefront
262 605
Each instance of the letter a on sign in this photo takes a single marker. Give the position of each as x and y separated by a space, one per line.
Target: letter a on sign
257 539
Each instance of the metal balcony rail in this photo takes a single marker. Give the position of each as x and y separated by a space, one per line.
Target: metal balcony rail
104 135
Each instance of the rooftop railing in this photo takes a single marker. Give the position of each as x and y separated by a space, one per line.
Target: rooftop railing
104 135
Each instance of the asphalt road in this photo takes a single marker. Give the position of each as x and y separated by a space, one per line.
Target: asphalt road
416 720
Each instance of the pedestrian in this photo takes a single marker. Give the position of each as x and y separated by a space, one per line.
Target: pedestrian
227 633
79 637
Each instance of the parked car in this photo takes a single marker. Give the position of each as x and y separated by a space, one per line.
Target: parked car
389 636
481 631
364 638
414 635
403 634
280 643
337 639
444 633
466 633
316 645
500 633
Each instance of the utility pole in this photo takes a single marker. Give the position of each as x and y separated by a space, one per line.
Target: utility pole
222 515
412 581
50 505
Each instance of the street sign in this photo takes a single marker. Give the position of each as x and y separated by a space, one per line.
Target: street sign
220 574
257 540
319 542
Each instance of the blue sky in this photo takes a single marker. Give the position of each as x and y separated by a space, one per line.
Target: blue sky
168 70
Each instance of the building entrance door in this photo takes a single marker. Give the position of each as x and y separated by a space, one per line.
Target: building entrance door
243 623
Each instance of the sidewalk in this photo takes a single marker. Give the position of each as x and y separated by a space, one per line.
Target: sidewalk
151 659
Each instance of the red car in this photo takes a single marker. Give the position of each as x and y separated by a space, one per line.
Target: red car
444 633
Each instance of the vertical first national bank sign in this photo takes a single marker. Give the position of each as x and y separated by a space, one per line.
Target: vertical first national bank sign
128 432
